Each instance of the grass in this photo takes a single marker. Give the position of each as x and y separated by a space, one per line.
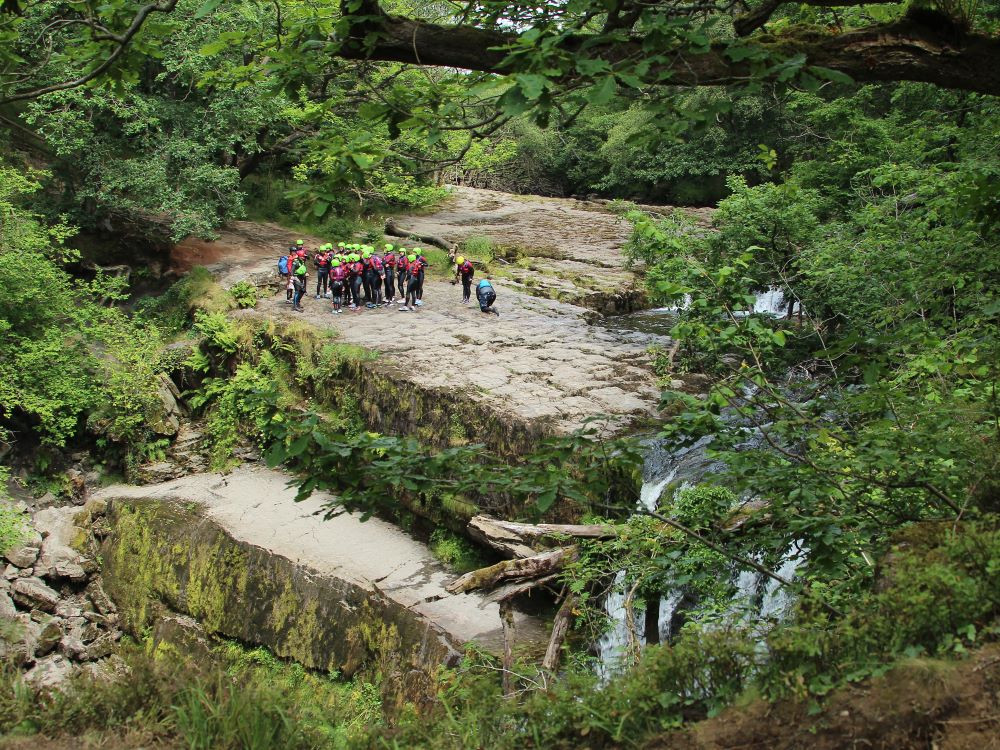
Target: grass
242 699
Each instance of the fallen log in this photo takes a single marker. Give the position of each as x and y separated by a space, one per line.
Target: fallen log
537 566
509 591
522 540
394 230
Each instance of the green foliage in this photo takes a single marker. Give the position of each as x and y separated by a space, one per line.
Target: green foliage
244 294
52 328
237 699
12 525
455 551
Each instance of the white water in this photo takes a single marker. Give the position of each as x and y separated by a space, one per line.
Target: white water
758 600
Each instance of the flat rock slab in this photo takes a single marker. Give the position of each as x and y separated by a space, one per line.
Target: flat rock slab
542 363
371 560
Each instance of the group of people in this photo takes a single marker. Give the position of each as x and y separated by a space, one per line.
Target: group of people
352 275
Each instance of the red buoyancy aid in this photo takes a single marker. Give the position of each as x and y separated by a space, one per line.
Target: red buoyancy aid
389 260
466 269
338 273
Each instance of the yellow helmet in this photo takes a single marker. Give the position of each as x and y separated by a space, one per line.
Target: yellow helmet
460 260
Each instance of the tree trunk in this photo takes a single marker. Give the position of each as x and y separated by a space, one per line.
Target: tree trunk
525 539
560 627
394 230
538 566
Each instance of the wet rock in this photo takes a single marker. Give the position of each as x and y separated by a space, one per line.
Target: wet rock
32 592
25 554
50 672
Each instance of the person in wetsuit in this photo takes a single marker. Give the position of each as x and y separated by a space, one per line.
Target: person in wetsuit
357 270
402 275
322 262
389 267
412 284
422 265
300 281
338 277
376 277
486 295
464 269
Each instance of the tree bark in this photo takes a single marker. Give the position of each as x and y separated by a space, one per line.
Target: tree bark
900 51
394 230
524 539
560 628
507 622
538 566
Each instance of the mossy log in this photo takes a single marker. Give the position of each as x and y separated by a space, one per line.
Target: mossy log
520 569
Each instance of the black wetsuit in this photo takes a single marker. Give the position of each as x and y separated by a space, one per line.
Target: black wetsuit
486 296
467 272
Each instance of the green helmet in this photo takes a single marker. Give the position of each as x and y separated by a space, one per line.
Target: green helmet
388 248
418 251
340 244
355 257
366 253
411 257
300 242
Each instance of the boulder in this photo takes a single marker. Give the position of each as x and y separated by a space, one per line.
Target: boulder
10 572
24 554
59 558
17 641
50 672
33 593
166 414
49 635
100 598
7 609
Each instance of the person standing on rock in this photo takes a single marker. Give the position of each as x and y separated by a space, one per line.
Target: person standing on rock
464 269
413 284
338 275
285 271
356 268
421 265
389 267
322 262
300 280
402 274
486 295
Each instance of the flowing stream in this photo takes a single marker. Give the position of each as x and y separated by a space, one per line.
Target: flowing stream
758 600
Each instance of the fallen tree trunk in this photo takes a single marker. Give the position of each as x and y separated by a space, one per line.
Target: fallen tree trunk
525 540
538 566
394 230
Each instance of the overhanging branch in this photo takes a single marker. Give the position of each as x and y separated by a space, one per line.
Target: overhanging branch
901 51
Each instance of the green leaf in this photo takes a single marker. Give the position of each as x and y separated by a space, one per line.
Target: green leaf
206 7
603 92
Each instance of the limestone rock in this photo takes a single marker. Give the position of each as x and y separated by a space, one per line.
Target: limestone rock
46 501
7 609
100 598
25 554
165 419
50 672
10 572
59 558
49 635
17 641
32 592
